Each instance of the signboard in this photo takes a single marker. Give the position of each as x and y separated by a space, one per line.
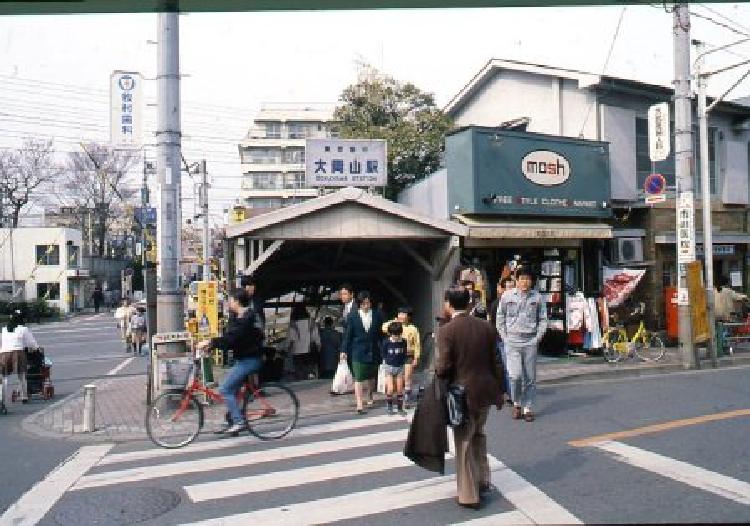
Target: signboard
208 306
237 214
698 308
171 337
126 109
655 184
658 132
685 242
146 215
653 199
346 162
719 250
619 284
492 171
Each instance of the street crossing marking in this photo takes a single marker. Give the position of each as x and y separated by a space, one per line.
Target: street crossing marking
295 477
36 502
218 445
509 517
658 428
349 506
529 499
242 459
689 474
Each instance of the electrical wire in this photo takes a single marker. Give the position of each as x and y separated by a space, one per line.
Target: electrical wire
725 18
604 67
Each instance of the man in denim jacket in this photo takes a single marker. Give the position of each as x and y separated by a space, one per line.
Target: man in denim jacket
521 322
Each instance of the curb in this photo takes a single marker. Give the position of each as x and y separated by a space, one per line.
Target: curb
614 372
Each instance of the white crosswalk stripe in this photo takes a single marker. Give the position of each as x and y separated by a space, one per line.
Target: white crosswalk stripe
328 457
689 474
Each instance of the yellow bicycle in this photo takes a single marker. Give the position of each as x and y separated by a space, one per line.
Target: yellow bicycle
644 344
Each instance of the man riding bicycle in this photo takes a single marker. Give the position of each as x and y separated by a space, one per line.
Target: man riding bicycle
244 337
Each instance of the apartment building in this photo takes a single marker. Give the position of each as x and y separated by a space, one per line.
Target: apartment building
272 154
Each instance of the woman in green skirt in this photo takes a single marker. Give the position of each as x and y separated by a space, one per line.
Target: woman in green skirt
362 344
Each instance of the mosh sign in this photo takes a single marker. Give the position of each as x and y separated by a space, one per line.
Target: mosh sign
494 171
545 168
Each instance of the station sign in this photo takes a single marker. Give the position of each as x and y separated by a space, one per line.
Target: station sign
346 162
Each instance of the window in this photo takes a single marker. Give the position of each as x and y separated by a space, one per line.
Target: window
273 130
74 253
642 160
48 254
48 291
711 160
262 155
294 180
270 202
297 131
294 155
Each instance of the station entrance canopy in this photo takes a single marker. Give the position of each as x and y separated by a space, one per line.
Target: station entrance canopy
402 257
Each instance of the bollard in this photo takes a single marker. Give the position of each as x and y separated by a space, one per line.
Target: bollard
89 409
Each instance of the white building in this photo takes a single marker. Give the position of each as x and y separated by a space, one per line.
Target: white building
273 153
45 263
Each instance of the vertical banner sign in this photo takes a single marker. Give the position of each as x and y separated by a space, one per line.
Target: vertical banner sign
685 243
126 109
658 132
698 307
208 305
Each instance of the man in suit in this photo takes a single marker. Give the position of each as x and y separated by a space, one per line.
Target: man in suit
362 346
346 295
466 356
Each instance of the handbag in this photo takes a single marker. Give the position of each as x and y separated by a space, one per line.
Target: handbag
456 403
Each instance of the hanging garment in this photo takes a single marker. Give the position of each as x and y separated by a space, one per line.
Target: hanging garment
593 324
575 307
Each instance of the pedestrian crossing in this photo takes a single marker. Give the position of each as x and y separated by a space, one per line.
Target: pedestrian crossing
347 470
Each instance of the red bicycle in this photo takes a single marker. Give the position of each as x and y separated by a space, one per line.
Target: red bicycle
175 418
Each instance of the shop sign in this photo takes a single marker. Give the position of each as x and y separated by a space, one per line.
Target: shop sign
685 228
719 250
171 337
346 162
545 168
126 109
658 132
537 202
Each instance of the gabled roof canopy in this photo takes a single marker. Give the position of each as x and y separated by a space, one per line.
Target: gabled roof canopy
349 214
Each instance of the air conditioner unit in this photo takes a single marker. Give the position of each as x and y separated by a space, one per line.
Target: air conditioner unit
628 250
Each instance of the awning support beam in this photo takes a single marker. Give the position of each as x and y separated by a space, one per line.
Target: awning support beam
417 257
263 256
393 290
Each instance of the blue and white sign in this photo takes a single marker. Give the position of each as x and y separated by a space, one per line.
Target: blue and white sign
126 109
346 162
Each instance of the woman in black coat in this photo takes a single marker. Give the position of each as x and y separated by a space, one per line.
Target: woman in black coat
362 346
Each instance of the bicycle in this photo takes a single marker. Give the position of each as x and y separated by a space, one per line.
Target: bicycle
645 344
175 418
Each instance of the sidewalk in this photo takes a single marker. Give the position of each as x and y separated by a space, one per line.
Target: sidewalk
121 401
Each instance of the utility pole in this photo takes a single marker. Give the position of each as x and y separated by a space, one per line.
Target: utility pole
168 138
206 234
685 206
708 242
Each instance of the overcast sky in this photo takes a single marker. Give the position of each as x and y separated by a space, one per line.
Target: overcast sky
55 69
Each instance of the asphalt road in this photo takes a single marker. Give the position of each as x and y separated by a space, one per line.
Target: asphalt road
80 348
662 467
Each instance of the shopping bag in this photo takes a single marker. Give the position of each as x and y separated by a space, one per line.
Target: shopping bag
343 382
381 379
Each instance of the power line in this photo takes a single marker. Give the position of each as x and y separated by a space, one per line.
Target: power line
604 68
725 18
720 24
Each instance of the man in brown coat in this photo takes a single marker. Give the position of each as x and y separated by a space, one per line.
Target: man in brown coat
466 347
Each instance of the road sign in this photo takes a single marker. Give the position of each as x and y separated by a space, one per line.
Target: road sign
653 199
658 132
655 184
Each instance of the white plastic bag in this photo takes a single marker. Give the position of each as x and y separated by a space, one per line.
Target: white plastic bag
343 382
381 379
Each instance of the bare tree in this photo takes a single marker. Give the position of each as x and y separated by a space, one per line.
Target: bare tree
24 171
95 180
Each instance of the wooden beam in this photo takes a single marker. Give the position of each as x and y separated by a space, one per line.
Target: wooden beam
417 257
444 258
393 290
263 256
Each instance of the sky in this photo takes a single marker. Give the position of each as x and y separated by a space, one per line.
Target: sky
54 75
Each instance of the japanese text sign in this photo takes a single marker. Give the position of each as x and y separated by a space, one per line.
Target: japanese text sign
126 109
346 162
658 132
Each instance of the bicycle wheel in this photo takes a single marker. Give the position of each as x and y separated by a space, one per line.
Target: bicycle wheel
651 349
614 343
271 412
174 419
